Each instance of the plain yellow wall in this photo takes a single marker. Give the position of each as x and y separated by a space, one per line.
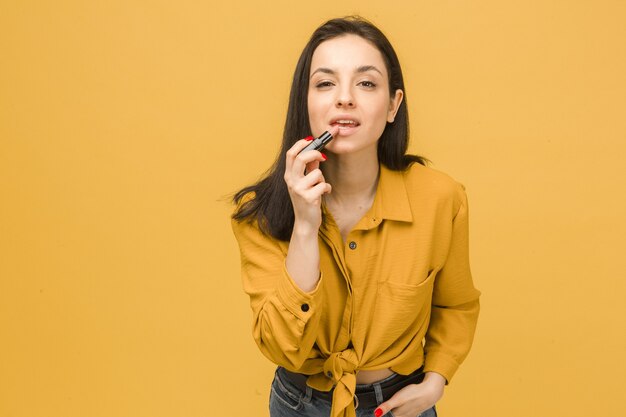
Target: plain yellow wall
122 124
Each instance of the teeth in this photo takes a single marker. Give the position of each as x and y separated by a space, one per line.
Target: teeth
345 122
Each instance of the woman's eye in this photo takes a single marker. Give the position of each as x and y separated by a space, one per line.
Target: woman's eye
367 84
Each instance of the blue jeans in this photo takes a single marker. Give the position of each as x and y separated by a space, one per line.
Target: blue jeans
287 400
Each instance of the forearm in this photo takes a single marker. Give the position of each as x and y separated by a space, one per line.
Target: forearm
303 257
449 337
288 317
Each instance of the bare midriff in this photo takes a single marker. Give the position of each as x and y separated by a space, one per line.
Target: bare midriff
369 377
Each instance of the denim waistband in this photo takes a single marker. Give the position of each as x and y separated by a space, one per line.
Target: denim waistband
368 394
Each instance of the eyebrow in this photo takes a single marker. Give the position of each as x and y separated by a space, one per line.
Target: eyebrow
359 70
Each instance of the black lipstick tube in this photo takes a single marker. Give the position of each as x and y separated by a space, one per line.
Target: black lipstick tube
319 143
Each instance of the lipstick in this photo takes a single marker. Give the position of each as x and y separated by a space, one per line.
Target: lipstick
319 143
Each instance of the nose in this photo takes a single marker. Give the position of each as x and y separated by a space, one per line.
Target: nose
341 102
346 103
345 100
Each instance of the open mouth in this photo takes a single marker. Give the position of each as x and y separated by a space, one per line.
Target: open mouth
346 124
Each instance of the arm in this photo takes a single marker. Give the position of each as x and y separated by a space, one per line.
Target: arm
455 304
283 328
284 289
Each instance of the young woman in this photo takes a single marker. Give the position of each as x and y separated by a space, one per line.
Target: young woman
355 259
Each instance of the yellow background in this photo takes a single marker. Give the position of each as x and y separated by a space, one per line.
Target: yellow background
123 123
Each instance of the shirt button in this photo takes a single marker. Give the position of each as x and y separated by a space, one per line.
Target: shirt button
304 307
352 245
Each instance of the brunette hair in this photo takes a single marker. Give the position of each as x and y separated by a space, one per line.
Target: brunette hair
271 205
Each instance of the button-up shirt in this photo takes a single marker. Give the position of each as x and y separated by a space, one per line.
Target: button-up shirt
398 293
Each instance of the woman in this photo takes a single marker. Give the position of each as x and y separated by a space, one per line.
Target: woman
355 256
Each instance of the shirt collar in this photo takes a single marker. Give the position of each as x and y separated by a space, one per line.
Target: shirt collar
391 201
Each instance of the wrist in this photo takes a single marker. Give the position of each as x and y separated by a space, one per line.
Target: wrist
434 378
304 230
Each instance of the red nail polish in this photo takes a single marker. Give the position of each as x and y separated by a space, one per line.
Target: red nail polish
378 412
309 138
324 156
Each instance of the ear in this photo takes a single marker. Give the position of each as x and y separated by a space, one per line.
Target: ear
394 105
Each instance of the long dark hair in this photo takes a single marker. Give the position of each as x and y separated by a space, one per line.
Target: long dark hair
271 205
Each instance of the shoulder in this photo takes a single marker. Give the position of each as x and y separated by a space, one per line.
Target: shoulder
423 182
420 177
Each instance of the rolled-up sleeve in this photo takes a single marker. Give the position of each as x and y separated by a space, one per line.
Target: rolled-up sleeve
455 302
285 318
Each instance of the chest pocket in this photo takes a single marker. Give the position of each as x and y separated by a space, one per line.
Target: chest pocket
400 307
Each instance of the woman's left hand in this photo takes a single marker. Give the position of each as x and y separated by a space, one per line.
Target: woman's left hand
414 399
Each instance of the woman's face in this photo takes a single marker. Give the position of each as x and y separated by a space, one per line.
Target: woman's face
348 82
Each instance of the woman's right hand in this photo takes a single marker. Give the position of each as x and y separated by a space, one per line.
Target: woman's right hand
306 185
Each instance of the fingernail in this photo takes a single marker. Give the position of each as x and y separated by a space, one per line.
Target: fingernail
378 412
309 138
324 156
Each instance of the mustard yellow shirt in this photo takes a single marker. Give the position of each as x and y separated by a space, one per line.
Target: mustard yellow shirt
398 293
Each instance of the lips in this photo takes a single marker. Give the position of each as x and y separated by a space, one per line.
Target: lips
344 121
346 124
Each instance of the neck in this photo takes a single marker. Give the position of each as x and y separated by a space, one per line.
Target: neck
353 177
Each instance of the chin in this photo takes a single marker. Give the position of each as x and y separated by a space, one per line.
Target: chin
348 148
